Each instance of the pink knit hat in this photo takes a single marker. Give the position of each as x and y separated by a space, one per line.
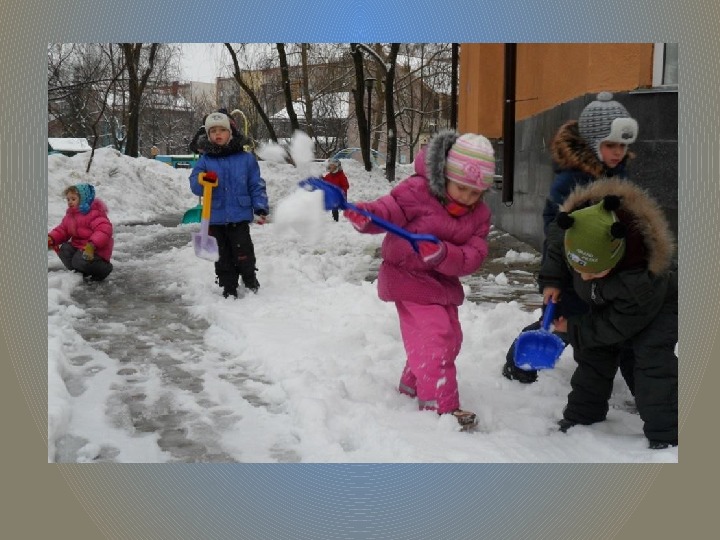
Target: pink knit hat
471 161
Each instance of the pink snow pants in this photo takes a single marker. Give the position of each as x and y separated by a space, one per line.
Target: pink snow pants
432 337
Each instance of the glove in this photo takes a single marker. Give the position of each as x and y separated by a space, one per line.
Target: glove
88 252
51 243
431 252
356 220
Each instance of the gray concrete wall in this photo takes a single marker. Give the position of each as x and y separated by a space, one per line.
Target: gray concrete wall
655 166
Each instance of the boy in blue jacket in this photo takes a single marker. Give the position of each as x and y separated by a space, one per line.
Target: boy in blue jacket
239 196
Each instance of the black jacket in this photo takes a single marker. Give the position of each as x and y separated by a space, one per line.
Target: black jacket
643 282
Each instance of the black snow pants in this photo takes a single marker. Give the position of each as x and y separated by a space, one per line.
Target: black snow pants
97 269
655 373
237 254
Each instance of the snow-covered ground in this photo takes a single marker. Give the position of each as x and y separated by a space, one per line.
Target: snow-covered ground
306 370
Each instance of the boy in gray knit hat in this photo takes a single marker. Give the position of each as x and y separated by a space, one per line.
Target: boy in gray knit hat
606 120
591 147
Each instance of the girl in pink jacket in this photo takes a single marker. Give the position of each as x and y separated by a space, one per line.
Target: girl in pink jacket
84 238
442 198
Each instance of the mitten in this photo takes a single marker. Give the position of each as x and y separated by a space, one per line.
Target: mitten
357 220
211 177
431 252
88 252
51 243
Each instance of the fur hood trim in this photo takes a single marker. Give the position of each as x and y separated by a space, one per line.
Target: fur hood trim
437 150
647 216
570 151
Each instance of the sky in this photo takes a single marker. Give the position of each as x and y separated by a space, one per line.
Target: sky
200 62
154 365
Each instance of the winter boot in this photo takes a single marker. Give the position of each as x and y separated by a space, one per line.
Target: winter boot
661 445
252 284
466 419
230 292
512 372
564 425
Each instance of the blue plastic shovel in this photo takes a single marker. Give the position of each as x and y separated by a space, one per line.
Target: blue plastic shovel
539 349
335 199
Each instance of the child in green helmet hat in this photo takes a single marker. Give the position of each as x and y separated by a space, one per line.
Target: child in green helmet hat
612 246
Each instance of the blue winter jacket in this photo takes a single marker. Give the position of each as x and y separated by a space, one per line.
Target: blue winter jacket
565 181
240 192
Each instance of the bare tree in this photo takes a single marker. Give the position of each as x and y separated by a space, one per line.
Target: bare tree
237 75
84 90
422 92
104 102
320 77
77 75
307 97
287 90
390 108
386 66
359 94
80 79
137 80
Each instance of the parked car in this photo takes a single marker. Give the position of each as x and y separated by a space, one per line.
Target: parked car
67 146
378 159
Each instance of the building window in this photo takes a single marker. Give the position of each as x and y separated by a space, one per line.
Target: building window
665 64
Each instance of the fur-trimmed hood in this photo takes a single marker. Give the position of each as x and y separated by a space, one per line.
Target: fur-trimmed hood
431 165
234 146
643 212
570 151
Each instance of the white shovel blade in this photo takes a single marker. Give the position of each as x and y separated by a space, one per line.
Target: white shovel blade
206 247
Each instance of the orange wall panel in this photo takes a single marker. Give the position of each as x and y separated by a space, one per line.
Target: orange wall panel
480 101
548 74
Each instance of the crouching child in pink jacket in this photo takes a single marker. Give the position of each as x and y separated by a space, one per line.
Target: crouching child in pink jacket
84 238
443 198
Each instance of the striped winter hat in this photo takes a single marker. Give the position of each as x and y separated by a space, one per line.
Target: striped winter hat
471 161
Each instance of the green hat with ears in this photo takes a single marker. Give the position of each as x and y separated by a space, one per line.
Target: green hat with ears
594 238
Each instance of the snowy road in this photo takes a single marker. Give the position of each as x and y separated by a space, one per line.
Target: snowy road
166 366
155 366
162 389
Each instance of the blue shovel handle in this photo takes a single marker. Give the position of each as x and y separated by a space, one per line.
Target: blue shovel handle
413 238
334 198
548 315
